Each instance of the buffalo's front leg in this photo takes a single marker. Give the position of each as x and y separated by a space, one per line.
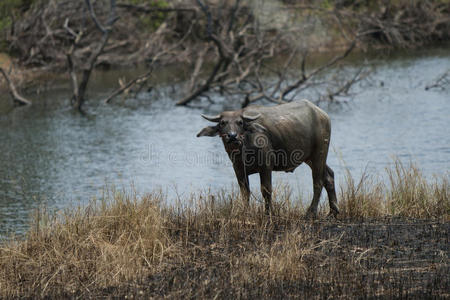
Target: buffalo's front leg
266 188
242 179
329 186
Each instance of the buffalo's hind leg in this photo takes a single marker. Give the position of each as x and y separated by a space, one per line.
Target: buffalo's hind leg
329 186
317 168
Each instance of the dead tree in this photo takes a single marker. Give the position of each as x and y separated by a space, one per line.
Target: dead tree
79 89
232 51
17 98
146 76
235 54
400 23
243 58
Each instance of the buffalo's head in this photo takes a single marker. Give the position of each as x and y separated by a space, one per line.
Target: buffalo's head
231 126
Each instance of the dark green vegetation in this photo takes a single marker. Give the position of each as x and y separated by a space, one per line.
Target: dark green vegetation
10 10
390 242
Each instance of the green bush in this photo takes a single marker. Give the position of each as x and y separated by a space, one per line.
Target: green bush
152 21
8 10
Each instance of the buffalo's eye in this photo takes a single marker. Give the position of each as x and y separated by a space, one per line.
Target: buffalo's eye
240 123
222 123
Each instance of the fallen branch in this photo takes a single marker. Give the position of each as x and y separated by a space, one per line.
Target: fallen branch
441 82
131 83
19 99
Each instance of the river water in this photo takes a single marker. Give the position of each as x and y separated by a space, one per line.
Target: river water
51 156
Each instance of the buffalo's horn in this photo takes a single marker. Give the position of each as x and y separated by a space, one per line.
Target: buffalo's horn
250 118
215 118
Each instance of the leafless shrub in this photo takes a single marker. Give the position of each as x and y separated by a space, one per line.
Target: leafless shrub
39 38
402 23
247 56
236 49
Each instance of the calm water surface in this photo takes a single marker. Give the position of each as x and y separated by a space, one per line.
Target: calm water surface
54 157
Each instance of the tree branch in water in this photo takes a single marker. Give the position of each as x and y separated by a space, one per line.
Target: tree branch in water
79 90
17 98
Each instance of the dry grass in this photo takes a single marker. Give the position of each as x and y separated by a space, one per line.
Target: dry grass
214 246
411 195
365 199
102 245
407 194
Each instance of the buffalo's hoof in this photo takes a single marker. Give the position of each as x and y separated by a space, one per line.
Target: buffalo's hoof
311 215
332 216
333 213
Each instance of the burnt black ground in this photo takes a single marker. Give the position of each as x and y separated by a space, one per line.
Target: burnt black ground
389 258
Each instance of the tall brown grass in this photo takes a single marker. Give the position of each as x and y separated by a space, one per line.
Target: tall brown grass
214 245
98 246
411 195
406 194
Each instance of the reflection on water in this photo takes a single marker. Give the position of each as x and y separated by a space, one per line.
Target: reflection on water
54 157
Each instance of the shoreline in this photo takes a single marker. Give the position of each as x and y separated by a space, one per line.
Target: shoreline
34 80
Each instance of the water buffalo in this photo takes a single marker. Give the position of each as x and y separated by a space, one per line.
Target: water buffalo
260 139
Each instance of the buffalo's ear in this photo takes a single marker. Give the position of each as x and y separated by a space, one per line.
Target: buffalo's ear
255 127
208 131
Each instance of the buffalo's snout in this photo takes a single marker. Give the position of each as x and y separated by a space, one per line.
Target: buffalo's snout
231 136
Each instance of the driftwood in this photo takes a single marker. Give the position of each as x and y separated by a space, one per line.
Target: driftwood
17 98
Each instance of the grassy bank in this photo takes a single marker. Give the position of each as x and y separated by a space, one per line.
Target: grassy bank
391 240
